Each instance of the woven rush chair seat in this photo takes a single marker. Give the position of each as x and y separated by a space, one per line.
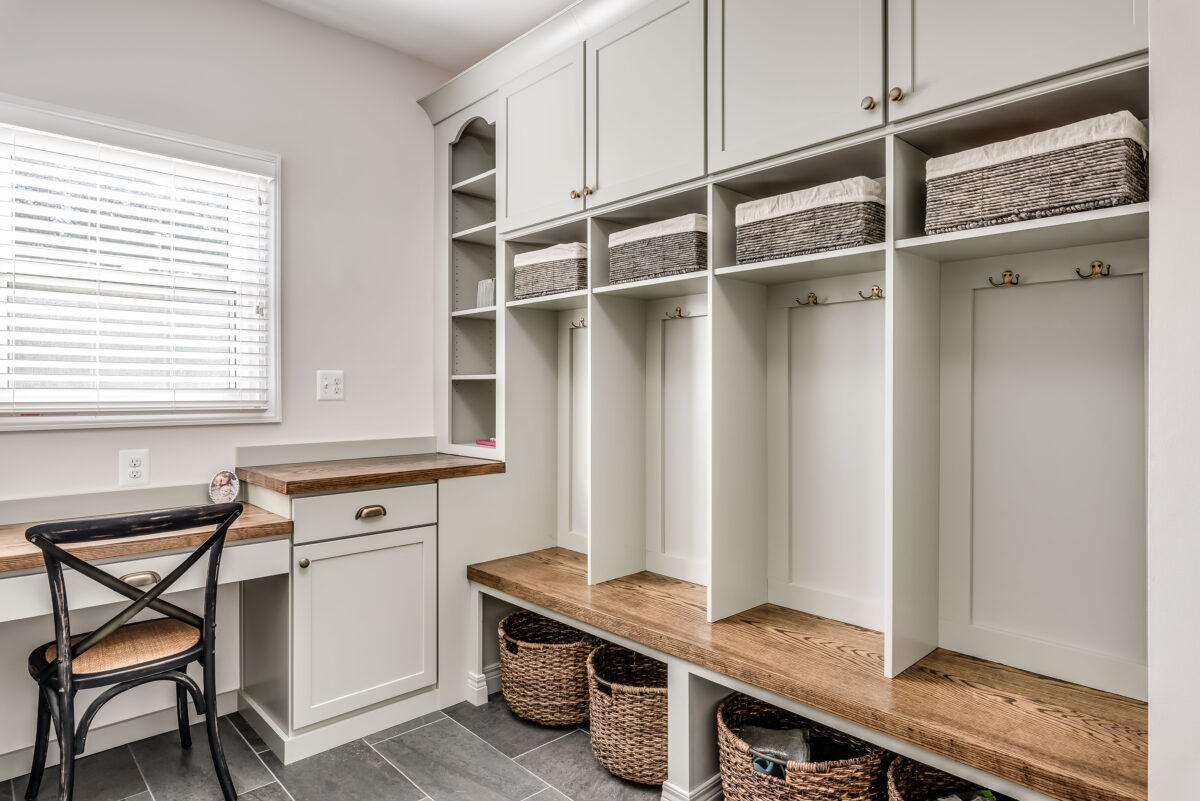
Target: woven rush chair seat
132 644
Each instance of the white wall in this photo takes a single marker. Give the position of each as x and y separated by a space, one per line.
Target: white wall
357 277
1174 433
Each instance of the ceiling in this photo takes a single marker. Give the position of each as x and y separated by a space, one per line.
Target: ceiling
451 34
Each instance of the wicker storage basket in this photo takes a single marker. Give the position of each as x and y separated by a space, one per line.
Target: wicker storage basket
671 247
561 268
628 695
543 669
1092 164
844 214
853 770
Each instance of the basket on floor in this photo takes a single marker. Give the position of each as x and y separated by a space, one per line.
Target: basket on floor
1093 164
543 669
628 694
851 770
909 780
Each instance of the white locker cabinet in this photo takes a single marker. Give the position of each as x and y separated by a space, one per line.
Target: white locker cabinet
943 52
364 621
539 142
788 73
645 102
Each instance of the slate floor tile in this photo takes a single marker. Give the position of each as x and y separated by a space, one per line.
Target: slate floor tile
449 763
507 733
351 772
549 794
388 734
248 734
188 775
272 792
6 791
144 797
568 766
104 776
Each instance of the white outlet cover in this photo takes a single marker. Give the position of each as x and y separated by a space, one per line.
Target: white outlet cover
331 385
133 467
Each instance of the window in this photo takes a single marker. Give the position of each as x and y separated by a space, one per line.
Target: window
137 276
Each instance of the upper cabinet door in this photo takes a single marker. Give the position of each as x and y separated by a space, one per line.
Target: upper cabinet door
645 101
783 74
942 52
539 143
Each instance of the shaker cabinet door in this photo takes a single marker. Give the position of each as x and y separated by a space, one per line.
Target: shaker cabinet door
539 143
943 52
784 74
364 621
645 101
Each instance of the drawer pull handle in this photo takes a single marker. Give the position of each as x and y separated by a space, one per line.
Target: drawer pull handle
370 511
304 562
146 578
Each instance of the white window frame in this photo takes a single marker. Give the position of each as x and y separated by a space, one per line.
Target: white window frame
119 133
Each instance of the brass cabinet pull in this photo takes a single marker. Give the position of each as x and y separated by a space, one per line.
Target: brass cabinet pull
146 578
370 511
896 95
305 562
868 103
587 190
575 194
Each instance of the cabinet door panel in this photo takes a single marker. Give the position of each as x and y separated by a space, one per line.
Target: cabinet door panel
364 621
539 142
788 73
645 101
942 52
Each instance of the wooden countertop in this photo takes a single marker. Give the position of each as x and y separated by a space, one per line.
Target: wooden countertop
17 553
1060 739
297 478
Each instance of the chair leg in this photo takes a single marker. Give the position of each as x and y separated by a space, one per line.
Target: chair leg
181 707
214 736
40 746
66 746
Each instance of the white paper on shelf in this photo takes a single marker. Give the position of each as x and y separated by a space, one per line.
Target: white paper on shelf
851 190
678 225
1121 125
570 250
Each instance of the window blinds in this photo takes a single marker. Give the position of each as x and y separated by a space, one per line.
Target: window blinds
130 283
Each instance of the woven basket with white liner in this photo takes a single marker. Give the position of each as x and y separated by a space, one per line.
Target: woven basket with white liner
549 271
670 247
1093 164
843 214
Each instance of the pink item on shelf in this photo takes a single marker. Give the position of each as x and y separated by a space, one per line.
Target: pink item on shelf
491 443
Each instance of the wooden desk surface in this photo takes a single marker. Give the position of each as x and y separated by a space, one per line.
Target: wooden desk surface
297 478
17 553
1060 739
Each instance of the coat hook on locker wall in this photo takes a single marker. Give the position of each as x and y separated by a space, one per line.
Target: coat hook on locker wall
1007 278
581 324
876 293
1099 270
677 315
812 300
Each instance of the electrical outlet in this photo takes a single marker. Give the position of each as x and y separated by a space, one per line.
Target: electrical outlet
331 385
133 467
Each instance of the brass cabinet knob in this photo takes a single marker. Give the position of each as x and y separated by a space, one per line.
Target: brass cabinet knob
575 194
304 563
587 190
896 95
867 103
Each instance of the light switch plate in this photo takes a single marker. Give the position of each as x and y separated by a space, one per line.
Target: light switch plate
331 385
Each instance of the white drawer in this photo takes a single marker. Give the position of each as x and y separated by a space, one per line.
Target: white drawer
346 514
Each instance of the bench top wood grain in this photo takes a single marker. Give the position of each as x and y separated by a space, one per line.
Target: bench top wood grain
17 553
1060 739
297 478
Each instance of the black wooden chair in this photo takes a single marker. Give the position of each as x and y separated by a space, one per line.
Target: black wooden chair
121 655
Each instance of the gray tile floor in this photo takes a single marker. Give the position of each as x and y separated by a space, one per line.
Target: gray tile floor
464 753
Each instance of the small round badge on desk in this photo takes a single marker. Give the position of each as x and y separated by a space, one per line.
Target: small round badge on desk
223 488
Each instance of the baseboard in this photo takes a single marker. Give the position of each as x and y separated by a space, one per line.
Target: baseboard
482 685
709 790
294 746
102 738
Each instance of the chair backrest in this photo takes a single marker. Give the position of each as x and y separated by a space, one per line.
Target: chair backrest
51 537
